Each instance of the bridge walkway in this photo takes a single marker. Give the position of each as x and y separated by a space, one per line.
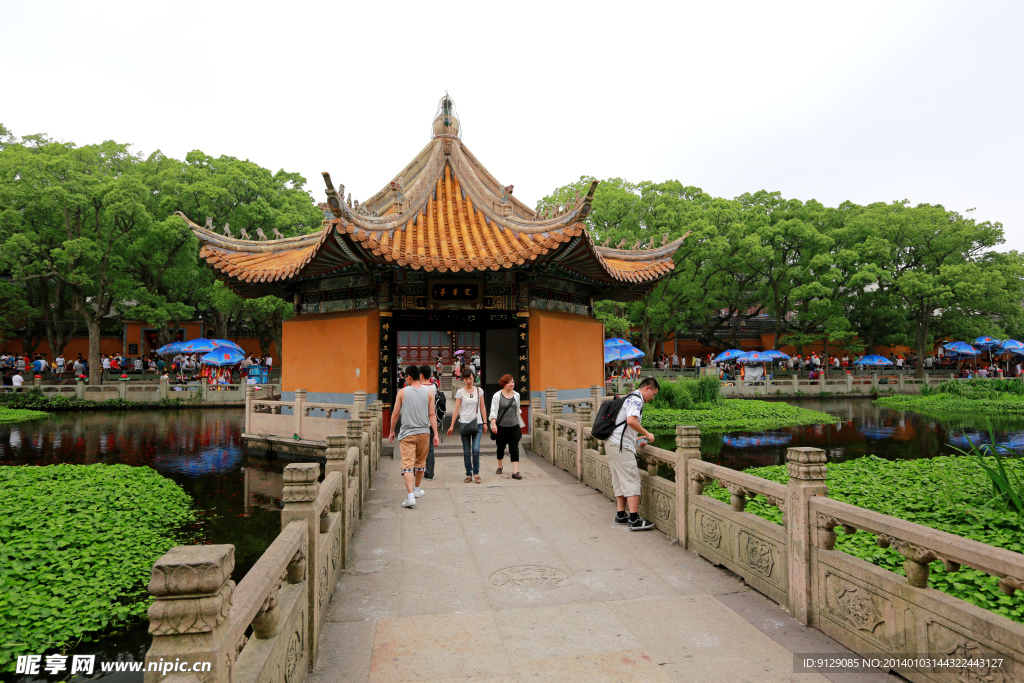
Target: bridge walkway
531 580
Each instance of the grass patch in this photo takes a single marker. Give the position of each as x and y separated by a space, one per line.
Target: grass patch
734 415
955 398
948 493
19 414
77 543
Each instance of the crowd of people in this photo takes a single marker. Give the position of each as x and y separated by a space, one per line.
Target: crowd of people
183 367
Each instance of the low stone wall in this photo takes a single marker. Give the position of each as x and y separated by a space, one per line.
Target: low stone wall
870 610
302 423
199 615
154 392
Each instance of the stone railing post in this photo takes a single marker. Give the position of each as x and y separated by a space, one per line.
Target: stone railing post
806 468
687 449
193 587
354 429
899 381
849 384
874 381
335 454
250 396
359 401
164 392
583 419
299 410
595 396
301 488
551 401
630 386
80 388
122 389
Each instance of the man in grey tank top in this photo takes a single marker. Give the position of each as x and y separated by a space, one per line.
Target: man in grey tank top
415 405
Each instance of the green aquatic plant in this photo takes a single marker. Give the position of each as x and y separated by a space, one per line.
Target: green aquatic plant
734 415
19 415
1007 489
77 543
908 489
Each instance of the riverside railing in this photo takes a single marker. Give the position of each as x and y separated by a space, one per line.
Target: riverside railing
872 611
301 420
268 626
152 392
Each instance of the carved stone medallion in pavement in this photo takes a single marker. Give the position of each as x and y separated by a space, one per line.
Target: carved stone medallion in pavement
530 576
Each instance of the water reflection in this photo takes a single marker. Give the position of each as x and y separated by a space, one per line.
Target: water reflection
864 428
237 492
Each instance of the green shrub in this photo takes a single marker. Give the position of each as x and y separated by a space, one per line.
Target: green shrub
18 415
37 400
920 491
77 543
686 393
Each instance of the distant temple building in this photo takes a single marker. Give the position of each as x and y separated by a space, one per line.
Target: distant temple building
443 258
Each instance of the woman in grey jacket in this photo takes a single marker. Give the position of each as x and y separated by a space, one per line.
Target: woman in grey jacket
506 423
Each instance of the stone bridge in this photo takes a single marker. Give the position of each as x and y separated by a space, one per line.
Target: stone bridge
530 579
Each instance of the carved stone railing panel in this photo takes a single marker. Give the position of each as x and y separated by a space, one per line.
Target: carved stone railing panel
199 614
566 445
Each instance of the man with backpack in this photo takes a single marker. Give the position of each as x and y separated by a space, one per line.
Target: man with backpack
618 422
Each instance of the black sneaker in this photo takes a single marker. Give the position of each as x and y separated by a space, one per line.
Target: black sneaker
622 520
640 524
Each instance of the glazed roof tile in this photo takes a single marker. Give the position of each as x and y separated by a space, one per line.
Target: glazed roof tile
448 214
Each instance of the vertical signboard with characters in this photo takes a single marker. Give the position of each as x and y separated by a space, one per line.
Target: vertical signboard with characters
385 350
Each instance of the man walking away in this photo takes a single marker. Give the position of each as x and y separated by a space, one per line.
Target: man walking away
435 388
621 450
416 409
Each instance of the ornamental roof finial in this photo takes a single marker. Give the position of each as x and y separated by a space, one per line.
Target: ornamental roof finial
446 119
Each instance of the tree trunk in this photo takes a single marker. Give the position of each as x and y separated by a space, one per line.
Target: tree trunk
278 335
95 364
164 335
921 339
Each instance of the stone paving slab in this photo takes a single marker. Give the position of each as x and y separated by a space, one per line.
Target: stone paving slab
532 580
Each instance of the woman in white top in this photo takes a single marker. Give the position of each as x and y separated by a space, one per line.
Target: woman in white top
469 406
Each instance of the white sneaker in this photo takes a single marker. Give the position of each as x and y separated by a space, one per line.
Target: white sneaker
418 492
408 503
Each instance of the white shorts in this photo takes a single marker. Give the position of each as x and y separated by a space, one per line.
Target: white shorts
625 473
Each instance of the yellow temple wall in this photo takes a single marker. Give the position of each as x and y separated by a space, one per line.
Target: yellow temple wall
567 352
331 355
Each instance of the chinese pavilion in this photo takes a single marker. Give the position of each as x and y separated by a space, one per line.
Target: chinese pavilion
443 258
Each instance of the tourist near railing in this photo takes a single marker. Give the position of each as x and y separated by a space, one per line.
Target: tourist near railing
199 615
868 609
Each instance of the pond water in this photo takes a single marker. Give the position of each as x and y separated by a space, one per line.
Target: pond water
238 490
863 429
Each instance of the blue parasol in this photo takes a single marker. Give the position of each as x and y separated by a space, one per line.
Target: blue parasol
986 342
200 345
754 357
873 359
727 355
615 341
168 349
776 355
614 353
229 343
963 348
1011 345
223 355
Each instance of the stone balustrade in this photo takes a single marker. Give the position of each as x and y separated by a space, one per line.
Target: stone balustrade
300 421
154 392
199 615
868 609
850 385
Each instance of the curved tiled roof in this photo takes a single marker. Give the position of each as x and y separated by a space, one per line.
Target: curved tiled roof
446 213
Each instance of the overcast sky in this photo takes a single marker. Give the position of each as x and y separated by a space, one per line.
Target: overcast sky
866 101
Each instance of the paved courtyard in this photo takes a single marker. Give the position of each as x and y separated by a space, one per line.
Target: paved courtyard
531 580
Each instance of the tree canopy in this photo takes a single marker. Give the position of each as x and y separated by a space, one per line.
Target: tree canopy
88 234
853 276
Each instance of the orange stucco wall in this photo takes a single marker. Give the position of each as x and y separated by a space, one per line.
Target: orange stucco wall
566 350
331 352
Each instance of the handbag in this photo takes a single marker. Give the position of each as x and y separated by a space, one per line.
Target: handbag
501 414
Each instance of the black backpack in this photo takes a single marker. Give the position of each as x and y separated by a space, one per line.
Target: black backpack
604 421
440 405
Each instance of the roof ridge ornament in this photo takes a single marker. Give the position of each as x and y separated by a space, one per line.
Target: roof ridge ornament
446 120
